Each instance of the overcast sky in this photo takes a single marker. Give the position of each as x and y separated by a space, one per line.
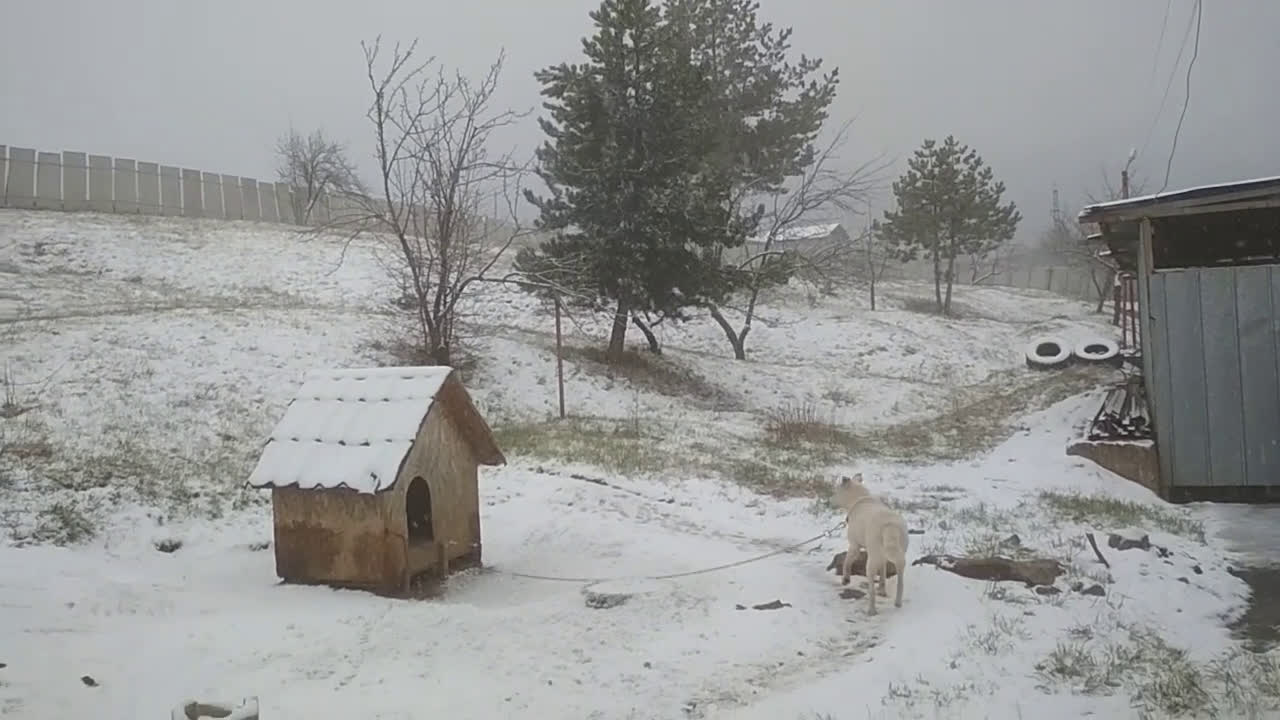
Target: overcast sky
1048 91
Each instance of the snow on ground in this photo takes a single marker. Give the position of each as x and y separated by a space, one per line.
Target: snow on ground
153 355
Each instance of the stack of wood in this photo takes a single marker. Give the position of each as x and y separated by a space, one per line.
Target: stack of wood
1124 414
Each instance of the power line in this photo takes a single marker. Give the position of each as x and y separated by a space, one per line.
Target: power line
1186 100
1164 25
1168 86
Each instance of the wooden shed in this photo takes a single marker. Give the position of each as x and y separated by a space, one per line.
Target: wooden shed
1207 261
374 477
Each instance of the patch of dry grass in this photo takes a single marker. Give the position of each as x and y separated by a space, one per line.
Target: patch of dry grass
795 425
1164 680
1108 513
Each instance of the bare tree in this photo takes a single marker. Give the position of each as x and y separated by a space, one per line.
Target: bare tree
436 176
314 166
1076 247
822 191
985 265
876 259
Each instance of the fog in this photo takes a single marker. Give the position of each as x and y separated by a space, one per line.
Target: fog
1051 93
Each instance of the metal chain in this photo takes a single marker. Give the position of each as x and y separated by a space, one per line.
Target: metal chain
687 573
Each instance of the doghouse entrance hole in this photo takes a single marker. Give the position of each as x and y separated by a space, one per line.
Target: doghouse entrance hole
1048 349
417 506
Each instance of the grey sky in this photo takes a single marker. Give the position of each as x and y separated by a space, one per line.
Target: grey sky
1048 91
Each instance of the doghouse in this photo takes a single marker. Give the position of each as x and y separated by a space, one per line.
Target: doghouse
373 477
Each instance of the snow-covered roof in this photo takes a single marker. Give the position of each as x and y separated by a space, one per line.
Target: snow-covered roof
799 232
1099 211
348 429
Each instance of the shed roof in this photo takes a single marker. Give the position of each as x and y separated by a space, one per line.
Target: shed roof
353 428
800 232
1186 201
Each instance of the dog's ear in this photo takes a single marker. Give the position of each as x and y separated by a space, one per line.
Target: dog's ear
857 478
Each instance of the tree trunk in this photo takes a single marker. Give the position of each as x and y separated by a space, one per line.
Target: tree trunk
649 337
937 277
873 291
618 336
735 340
951 280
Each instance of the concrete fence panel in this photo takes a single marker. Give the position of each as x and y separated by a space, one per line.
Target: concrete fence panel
101 181
75 180
49 181
20 190
211 186
137 186
232 202
148 177
252 205
284 201
170 190
192 205
267 202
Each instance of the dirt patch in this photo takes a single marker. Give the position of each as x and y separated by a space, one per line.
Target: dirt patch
979 416
657 373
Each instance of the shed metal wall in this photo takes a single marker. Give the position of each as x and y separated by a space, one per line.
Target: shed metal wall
1213 371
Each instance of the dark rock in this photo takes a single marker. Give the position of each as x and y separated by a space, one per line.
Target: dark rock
89 681
1047 590
1163 552
1095 590
648 665
771 605
739 607
168 545
1184 581
1120 542
1196 569
915 531
1012 541
3 666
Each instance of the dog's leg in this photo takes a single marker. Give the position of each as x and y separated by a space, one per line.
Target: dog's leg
873 561
900 564
882 571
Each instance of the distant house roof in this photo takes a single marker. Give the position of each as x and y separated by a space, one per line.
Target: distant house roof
1183 201
352 429
800 232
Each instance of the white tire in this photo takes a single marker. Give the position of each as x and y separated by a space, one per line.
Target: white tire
1048 353
1098 350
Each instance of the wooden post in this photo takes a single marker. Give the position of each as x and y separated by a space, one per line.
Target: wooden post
559 359
442 559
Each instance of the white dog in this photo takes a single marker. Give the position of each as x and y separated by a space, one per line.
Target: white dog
877 528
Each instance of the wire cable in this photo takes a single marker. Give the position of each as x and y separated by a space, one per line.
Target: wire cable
1186 100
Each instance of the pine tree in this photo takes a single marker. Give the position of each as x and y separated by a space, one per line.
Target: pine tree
633 215
767 111
948 205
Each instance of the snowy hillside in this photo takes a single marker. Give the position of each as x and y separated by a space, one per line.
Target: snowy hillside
148 358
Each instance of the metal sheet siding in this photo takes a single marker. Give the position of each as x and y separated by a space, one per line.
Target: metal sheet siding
1257 293
1215 375
1224 416
1189 459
